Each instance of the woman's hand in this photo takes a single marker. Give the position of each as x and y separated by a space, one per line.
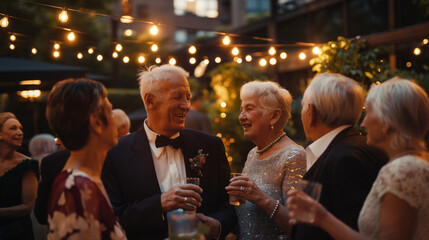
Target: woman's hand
243 186
304 209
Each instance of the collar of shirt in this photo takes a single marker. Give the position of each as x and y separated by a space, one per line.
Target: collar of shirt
151 136
316 149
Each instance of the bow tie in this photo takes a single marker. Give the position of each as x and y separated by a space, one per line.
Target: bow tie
162 141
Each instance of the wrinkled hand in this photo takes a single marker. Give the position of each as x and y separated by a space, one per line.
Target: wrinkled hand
212 223
245 187
177 197
300 204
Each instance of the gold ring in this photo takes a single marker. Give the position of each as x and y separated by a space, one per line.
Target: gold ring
186 199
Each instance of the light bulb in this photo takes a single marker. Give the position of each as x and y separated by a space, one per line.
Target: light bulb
79 55
99 57
218 59
417 51
141 59
272 51
158 60
33 50
226 40
283 55
90 50
302 56
154 47
56 46
126 59
63 16
56 54
262 62
4 22
154 30
192 49
235 51
128 32
12 37
192 60
115 55
118 47
248 58
172 61
71 36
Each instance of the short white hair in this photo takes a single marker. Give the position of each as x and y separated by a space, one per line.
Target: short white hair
337 99
270 95
121 118
42 145
403 106
149 79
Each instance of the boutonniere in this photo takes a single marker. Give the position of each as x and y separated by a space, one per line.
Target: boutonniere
198 161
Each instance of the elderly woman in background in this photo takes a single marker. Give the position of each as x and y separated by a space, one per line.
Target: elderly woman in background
122 122
397 207
41 145
18 181
272 166
79 112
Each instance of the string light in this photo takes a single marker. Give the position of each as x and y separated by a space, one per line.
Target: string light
248 58
63 16
302 56
408 64
238 60
316 50
90 50
226 40
128 32
206 61
115 55
79 55
141 59
154 30
273 61
4 22
425 41
417 51
283 55
71 36
192 60
235 51
126 59
118 47
262 62
272 51
56 46
154 47
172 61
33 50
223 104
12 38
223 115
56 54
218 59
99 57
158 60
12 47
126 19
192 49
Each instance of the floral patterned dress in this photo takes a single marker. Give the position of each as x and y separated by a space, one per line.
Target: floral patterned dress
78 209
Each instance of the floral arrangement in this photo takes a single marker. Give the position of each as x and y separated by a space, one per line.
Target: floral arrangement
198 161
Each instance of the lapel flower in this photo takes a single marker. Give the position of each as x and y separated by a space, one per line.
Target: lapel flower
198 161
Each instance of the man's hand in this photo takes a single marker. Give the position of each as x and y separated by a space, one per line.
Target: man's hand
212 223
179 196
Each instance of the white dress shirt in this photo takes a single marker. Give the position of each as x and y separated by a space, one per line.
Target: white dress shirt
168 161
316 149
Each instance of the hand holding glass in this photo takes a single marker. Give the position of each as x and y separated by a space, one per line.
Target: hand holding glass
196 181
313 190
236 200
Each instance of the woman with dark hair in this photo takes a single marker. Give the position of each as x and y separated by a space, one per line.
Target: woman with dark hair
18 181
79 112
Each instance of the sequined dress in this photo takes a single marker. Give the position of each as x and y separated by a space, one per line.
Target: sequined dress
274 176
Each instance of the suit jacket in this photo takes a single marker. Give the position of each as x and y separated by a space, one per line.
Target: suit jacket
131 183
346 169
50 168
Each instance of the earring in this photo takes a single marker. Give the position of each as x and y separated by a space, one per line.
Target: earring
272 127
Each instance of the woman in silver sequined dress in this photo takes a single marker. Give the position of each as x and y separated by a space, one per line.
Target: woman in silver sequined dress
272 166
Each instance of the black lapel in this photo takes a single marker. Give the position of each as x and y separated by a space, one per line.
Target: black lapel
188 152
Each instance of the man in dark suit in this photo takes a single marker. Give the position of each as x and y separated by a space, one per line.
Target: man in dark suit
143 174
195 119
338 157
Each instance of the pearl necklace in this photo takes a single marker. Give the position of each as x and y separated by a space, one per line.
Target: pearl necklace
271 144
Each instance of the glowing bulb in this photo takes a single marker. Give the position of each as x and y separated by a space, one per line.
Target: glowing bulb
226 40
206 61
115 55
127 19
223 104
408 64
272 51
33 50
158 60
239 60
141 59
128 32
316 50
235 51
223 115
425 41
56 54
4 22
262 62
154 47
71 36
172 61
90 50
248 58
273 61
154 30
99 57
192 49
126 59
79 55
12 47
417 51
302 56
63 17
12 37
192 60
283 55
118 47
56 46
218 59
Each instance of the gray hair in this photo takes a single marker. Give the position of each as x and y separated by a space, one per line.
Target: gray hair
121 118
403 106
149 79
337 99
270 96
42 145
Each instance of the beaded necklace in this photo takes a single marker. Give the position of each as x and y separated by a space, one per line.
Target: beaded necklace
271 144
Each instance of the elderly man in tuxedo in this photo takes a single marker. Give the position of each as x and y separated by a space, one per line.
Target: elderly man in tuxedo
143 173
339 157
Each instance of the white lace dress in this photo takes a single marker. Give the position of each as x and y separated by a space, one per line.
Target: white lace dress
407 178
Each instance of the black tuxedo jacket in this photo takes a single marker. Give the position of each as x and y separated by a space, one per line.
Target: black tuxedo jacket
131 183
346 169
50 168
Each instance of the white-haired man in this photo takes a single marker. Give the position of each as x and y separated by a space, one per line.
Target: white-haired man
339 157
122 122
143 174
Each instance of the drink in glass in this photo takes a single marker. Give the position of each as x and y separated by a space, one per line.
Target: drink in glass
236 200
